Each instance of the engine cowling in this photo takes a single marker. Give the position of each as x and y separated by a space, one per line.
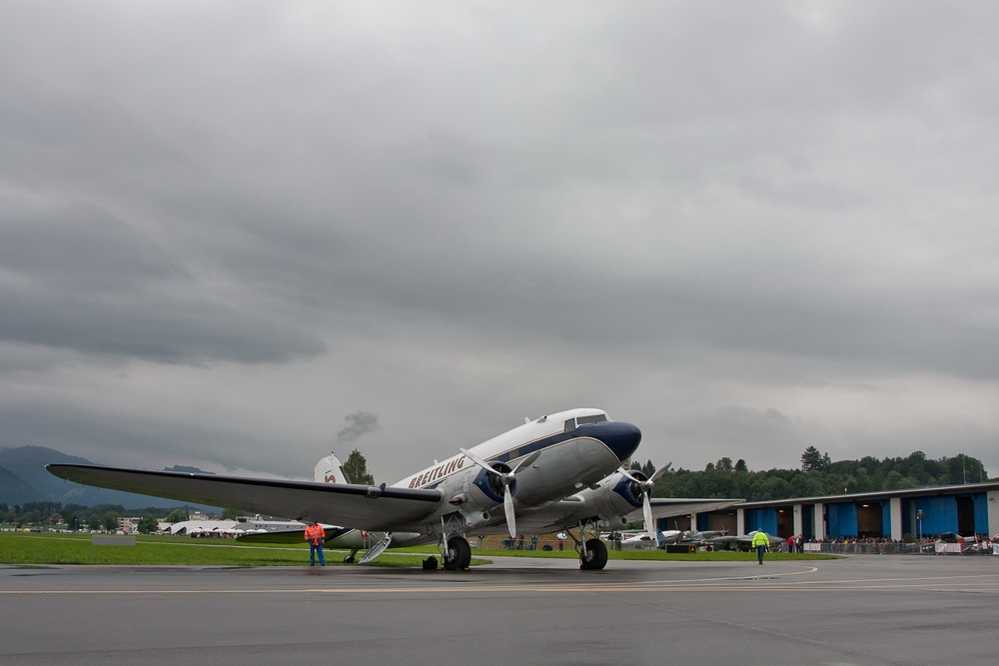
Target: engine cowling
477 494
615 499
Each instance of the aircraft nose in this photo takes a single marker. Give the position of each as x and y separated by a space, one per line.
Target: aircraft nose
620 437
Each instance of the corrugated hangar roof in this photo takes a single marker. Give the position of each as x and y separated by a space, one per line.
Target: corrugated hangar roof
879 495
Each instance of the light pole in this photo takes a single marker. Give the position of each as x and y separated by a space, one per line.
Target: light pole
920 517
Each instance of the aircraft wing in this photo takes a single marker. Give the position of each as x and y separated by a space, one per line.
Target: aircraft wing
365 507
667 507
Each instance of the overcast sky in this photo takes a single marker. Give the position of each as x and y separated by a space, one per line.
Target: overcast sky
232 234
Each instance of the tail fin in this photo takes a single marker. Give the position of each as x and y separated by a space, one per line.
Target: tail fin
330 470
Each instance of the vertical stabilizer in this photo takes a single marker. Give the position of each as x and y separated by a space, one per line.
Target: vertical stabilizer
330 470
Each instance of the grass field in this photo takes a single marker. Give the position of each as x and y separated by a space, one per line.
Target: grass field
19 548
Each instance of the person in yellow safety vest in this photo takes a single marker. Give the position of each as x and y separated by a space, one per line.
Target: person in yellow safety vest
761 542
315 535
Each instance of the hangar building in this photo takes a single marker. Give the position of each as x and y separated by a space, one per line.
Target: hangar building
966 509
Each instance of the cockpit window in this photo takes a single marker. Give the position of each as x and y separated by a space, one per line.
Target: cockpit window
571 424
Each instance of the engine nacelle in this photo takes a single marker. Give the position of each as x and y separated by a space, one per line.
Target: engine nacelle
615 499
476 493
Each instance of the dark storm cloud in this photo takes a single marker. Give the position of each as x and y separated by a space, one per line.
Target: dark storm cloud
443 209
76 277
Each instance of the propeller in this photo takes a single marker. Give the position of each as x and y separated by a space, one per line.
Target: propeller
645 487
506 480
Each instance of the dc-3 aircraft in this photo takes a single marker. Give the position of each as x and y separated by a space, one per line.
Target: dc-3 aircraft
562 471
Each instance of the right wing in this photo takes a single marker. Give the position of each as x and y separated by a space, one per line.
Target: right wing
667 507
366 507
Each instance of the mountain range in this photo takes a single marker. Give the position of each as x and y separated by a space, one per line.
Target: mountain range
23 478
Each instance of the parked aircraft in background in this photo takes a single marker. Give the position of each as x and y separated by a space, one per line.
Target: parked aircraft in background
561 471
673 537
699 537
743 542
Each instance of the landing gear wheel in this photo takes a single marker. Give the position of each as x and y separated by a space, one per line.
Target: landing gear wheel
349 559
458 555
594 556
430 564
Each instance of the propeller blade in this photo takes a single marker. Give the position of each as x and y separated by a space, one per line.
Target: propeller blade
628 475
647 510
481 463
659 472
507 477
511 518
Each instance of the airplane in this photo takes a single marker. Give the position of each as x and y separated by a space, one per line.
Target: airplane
672 537
699 537
743 542
562 471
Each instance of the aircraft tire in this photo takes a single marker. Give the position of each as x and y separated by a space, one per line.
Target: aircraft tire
595 557
430 564
459 554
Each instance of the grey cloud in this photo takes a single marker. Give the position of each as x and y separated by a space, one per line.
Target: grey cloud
77 277
801 188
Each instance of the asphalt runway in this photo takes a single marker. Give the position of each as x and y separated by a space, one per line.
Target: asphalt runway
859 610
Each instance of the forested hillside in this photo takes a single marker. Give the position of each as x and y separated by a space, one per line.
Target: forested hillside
818 476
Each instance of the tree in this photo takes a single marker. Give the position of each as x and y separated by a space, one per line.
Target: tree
110 521
32 517
356 469
740 465
230 514
176 516
814 461
147 525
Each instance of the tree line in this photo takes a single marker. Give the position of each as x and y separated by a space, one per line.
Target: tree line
818 476
79 517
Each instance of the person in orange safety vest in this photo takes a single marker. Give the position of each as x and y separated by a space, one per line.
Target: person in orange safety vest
315 535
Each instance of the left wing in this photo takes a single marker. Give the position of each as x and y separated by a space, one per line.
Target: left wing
365 507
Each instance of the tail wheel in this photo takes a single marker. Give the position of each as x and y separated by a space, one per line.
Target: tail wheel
458 555
594 556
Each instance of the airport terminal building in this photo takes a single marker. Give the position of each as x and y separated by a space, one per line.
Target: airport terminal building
968 509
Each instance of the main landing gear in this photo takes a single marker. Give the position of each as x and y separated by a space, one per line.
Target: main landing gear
458 554
592 551
593 555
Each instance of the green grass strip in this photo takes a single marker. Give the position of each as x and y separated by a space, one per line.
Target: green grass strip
47 548
54 548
